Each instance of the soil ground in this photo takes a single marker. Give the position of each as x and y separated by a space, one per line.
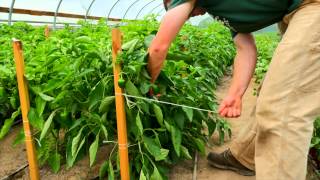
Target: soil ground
12 159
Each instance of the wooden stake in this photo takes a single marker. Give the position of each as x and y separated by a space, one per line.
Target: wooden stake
120 108
25 106
46 31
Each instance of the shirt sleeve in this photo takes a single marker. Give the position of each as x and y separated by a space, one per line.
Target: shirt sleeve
175 3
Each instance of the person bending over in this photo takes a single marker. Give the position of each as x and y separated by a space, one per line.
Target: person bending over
275 144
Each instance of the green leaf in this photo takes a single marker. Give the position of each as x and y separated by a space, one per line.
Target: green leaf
163 155
75 142
96 94
139 124
176 138
47 124
15 114
40 105
185 152
151 146
131 89
60 96
158 112
46 97
93 150
35 120
142 176
69 157
105 132
6 127
130 46
200 145
211 126
168 126
145 87
105 103
179 56
79 148
189 113
103 169
19 138
179 119
83 39
53 84
221 136
76 124
111 172
54 162
144 106
156 174
148 40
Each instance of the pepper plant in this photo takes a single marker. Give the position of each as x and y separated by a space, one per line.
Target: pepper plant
72 100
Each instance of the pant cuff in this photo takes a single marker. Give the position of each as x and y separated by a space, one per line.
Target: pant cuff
234 148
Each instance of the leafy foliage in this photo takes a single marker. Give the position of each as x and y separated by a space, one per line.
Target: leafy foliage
9 99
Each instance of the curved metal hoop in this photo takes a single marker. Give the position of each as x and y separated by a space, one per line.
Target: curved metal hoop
55 15
88 10
159 5
112 8
124 16
10 12
160 10
143 8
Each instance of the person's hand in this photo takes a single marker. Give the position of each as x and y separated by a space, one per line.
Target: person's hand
230 107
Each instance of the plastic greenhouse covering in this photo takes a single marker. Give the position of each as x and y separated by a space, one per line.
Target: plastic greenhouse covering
50 11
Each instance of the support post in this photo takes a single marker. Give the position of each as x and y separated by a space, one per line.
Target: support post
120 108
25 106
46 31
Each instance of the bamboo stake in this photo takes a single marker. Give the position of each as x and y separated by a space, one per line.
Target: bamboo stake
46 31
120 108
25 106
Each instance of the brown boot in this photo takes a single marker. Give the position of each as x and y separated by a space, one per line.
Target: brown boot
225 160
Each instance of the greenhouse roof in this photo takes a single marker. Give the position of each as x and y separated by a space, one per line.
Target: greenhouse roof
70 11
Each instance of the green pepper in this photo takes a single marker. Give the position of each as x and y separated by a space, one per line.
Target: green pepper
156 89
64 115
2 91
121 82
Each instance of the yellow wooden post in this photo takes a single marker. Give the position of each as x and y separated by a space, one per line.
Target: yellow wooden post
46 31
25 106
120 108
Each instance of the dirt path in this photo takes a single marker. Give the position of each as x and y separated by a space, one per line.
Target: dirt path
11 158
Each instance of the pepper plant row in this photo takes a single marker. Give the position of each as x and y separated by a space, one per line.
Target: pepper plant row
72 100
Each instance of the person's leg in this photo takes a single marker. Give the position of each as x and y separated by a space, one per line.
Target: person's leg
289 100
286 89
243 147
240 156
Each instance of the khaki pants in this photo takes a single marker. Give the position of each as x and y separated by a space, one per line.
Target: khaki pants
277 140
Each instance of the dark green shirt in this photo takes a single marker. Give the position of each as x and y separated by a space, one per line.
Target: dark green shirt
245 16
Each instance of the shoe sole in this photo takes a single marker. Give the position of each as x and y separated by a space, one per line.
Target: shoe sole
241 172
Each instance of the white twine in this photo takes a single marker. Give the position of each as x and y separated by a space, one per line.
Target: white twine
164 102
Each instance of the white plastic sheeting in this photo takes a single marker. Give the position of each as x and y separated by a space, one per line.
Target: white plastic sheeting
119 9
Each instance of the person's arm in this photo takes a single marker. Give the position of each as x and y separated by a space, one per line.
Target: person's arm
244 66
169 28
